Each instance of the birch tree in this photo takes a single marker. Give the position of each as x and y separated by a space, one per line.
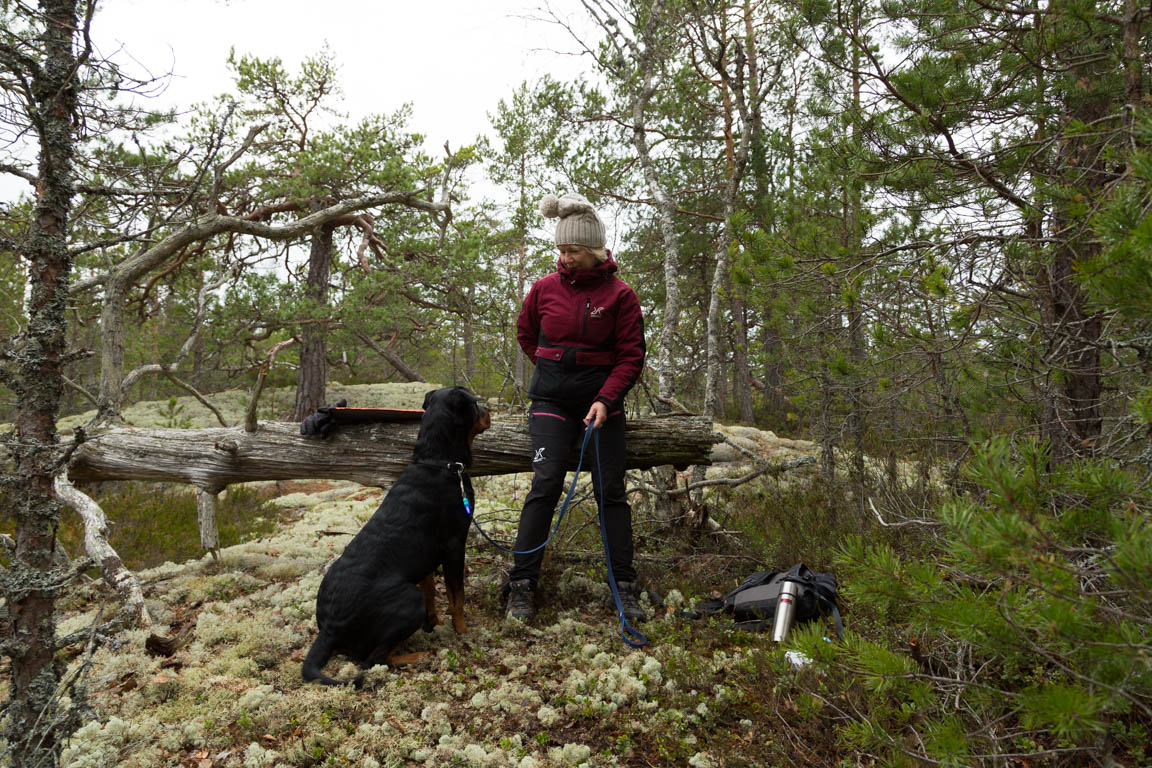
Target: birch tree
638 44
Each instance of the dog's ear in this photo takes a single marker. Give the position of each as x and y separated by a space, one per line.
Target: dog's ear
428 399
462 406
465 409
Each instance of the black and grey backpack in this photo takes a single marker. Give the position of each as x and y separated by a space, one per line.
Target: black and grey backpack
753 603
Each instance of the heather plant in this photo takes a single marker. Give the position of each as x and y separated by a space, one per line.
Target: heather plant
1026 631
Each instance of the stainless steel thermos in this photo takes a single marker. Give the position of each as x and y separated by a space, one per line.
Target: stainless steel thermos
785 610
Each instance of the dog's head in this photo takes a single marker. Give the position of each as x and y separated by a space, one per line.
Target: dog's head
453 416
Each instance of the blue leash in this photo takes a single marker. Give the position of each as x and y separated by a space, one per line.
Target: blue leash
559 518
628 633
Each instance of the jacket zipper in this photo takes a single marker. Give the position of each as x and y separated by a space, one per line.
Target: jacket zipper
587 307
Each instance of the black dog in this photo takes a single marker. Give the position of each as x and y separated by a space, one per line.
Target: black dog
381 590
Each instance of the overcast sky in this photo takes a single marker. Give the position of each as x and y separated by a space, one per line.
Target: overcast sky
452 60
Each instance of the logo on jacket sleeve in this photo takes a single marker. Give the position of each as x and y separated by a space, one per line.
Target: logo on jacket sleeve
539 455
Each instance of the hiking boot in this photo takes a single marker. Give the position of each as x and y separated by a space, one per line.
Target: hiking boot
630 602
521 601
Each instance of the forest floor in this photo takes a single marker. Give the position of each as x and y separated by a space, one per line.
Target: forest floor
563 691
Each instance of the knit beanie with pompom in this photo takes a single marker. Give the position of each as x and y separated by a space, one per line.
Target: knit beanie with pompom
578 225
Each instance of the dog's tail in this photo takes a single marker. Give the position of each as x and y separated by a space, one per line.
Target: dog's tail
318 655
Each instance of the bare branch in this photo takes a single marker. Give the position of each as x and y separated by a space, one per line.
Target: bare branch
78 388
23 174
902 523
250 415
732 482
212 224
96 544
218 172
397 362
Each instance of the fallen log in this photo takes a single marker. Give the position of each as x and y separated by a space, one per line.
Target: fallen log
369 454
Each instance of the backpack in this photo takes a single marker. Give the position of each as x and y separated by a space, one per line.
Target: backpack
753 603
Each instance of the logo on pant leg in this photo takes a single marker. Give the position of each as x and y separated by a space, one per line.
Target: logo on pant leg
539 455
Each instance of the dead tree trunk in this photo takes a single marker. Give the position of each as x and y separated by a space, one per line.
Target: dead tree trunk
367 454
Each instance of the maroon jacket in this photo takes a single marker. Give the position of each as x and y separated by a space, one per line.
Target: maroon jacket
585 332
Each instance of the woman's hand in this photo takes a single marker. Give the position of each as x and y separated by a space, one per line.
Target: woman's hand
597 414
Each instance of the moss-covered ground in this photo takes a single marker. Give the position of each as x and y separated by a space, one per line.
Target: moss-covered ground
564 691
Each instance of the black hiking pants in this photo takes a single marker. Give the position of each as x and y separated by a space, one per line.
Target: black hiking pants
557 434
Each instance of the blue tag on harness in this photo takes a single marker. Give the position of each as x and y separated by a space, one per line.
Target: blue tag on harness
464 497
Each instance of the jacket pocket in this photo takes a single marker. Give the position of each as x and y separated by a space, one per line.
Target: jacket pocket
553 381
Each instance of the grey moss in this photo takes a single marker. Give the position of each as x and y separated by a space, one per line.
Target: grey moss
503 695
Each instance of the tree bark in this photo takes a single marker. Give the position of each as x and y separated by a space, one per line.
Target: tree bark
313 372
520 364
468 329
111 395
648 62
206 502
733 95
647 55
368 454
35 727
1072 414
741 370
857 421
824 426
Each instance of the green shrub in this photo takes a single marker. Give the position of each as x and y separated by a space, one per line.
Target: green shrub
804 519
1028 631
172 415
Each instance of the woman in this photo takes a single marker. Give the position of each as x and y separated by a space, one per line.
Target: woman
582 328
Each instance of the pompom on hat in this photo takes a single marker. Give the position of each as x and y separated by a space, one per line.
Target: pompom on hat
579 224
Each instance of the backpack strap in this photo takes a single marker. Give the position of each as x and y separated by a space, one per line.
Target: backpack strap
835 614
839 622
755 625
706 609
